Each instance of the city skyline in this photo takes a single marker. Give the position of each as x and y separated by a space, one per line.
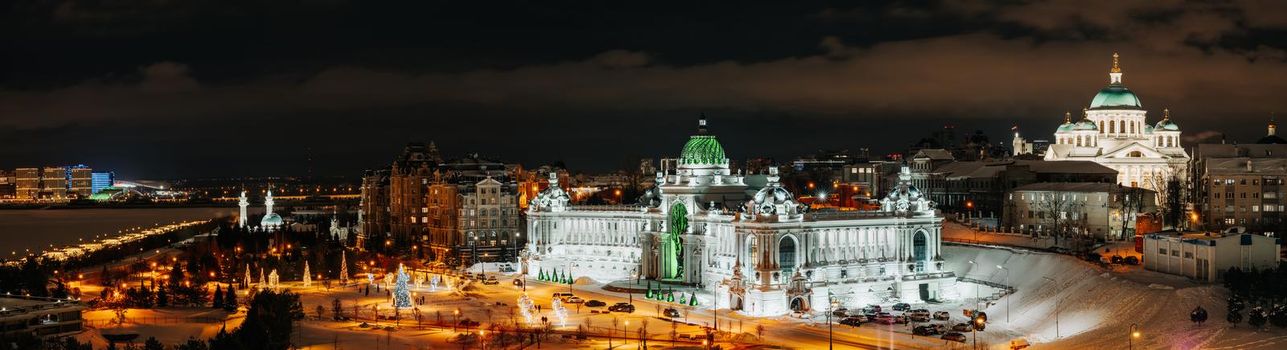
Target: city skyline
182 90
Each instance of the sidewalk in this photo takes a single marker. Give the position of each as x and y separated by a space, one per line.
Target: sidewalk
955 232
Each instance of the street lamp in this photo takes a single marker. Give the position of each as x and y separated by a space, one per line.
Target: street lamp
1007 299
1051 280
1135 333
831 307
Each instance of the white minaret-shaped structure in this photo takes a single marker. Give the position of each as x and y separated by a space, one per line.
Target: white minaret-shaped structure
268 202
243 203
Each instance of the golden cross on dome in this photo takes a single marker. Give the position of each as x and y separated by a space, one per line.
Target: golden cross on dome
1085 114
1166 113
1117 67
1067 117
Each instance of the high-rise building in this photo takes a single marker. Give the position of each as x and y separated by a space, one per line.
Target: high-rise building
7 185
79 181
53 183
27 183
101 180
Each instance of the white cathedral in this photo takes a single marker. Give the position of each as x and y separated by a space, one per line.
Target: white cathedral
1114 132
754 250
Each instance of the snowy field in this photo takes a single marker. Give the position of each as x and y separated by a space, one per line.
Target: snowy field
1096 308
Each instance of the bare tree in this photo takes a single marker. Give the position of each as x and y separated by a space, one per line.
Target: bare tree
1170 184
1063 213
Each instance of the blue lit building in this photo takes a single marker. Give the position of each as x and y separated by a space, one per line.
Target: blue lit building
99 181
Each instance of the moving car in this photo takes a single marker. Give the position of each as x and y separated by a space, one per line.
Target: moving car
954 336
595 303
671 312
622 307
575 300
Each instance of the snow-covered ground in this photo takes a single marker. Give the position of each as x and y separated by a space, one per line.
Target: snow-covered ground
1096 308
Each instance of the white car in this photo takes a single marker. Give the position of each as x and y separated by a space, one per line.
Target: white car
575 300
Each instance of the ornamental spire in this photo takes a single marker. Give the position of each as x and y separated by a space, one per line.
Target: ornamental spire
701 125
1166 114
1085 114
1115 74
1067 117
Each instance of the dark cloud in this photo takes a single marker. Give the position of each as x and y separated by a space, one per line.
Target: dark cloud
969 62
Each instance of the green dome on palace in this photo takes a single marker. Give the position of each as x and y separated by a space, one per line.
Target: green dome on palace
703 149
1115 96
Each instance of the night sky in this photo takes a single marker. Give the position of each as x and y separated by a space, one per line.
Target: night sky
163 89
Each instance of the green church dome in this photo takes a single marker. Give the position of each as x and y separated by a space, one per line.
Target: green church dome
703 150
1115 96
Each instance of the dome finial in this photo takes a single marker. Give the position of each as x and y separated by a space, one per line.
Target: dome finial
701 124
1166 114
1067 117
1117 67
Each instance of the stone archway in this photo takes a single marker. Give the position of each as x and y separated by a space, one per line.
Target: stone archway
798 304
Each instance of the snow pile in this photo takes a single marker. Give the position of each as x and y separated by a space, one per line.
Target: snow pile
1096 308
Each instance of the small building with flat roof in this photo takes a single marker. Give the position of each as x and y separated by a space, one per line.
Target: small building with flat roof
1206 256
39 317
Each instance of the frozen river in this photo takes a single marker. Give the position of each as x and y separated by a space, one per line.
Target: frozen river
37 229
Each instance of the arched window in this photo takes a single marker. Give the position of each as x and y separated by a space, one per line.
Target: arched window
1121 126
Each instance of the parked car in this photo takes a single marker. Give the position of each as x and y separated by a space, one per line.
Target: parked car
902 307
886 320
1019 344
860 318
919 318
491 280
563 296
874 307
918 312
900 319
622 307
851 321
575 300
595 303
671 312
925 330
954 336
1131 260
883 314
962 327
942 315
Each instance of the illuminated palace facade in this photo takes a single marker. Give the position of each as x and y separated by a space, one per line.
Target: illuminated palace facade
748 248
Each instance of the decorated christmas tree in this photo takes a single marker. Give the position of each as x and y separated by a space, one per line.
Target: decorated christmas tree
308 280
401 295
246 283
692 300
344 268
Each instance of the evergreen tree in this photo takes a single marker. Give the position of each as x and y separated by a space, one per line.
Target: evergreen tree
176 274
230 298
153 344
217 300
1234 317
401 295
1256 317
162 297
